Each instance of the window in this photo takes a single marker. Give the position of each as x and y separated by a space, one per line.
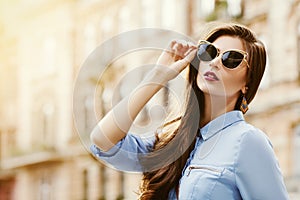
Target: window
204 7
298 49
45 188
148 13
296 160
90 38
85 184
43 122
121 186
49 55
106 26
48 124
234 8
103 181
168 14
89 120
7 187
124 19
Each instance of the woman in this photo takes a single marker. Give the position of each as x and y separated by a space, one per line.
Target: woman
209 152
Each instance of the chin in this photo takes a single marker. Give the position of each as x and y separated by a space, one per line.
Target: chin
212 90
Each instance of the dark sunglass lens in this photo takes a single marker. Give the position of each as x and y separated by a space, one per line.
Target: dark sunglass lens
232 59
206 52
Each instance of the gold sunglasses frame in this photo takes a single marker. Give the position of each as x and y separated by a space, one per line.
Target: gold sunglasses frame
245 54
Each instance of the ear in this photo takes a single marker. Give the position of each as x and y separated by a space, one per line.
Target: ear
244 89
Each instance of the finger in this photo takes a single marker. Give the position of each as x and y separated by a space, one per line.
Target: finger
191 44
176 49
183 42
180 49
173 42
186 48
177 46
169 50
189 50
190 56
183 63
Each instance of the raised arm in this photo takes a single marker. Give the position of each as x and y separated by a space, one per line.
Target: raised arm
116 123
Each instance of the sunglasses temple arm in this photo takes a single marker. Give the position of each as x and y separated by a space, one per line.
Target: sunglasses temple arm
195 62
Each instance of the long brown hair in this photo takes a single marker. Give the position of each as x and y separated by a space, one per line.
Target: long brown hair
157 183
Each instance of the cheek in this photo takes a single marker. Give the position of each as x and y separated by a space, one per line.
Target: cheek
234 82
231 81
213 88
201 82
227 86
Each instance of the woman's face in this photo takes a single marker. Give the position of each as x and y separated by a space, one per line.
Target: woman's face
215 79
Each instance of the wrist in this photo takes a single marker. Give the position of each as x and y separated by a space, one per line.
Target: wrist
155 77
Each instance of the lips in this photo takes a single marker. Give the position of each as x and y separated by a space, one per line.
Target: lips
211 76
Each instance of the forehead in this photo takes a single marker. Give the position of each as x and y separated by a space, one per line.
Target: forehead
228 42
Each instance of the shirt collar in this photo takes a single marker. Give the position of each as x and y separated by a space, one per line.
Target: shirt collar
220 123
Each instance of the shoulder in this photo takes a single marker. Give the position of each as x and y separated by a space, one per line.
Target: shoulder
248 141
254 137
247 133
257 170
242 133
254 145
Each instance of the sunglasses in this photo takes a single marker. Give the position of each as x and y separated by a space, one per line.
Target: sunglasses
230 58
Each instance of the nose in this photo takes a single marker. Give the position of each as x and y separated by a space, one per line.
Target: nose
216 62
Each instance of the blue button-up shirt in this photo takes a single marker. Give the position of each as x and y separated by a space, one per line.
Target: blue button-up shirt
231 160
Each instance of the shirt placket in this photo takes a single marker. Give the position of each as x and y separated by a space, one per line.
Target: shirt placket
199 140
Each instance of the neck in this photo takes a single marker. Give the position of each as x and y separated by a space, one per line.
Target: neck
216 106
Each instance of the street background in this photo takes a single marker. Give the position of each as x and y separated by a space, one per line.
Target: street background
43 45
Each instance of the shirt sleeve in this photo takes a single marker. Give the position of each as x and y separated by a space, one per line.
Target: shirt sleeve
258 175
125 154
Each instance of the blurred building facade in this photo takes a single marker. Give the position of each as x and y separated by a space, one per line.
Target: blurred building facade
43 45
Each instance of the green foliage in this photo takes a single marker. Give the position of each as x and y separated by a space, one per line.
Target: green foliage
220 12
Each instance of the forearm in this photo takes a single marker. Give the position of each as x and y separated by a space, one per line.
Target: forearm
114 126
117 122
